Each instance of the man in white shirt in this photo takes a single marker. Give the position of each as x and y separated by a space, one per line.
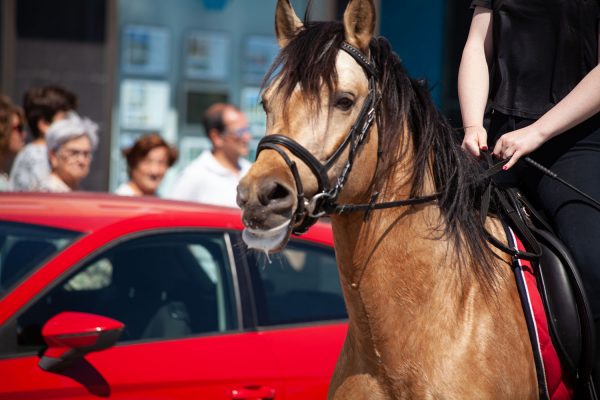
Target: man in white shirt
212 178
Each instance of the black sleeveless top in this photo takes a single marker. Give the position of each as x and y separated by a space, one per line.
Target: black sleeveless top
542 49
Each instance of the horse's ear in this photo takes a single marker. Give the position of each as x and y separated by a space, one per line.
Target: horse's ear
287 22
359 23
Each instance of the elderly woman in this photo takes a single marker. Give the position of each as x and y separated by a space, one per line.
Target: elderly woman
12 137
71 143
147 162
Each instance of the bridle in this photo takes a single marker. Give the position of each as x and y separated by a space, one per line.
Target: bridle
310 210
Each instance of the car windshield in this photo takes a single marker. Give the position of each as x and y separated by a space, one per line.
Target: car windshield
24 247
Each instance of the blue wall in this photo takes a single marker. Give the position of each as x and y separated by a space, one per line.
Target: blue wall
416 30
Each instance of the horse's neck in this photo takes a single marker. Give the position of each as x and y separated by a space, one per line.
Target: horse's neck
394 263
402 243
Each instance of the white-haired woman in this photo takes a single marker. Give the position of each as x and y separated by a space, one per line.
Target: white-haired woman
71 145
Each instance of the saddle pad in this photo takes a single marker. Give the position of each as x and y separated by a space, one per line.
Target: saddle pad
553 379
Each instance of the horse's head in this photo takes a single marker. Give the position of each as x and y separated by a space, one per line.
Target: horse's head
320 104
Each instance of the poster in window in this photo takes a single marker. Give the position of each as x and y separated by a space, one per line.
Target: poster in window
145 50
197 102
259 54
144 104
207 55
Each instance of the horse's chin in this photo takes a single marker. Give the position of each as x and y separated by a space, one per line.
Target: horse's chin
267 240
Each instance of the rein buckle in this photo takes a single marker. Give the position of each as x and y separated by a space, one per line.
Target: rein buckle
311 205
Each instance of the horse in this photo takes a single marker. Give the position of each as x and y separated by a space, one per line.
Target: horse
433 310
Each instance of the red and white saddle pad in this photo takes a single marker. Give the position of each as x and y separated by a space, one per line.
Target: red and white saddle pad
553 379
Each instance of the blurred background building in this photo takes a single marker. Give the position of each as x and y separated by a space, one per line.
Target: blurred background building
143 66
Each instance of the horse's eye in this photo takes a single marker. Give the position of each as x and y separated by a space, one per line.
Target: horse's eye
263 105
344 103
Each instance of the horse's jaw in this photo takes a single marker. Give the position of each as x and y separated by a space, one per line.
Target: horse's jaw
267 240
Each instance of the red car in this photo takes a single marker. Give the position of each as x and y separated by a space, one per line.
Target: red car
124 298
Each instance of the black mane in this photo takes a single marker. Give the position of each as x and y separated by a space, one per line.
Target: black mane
309 60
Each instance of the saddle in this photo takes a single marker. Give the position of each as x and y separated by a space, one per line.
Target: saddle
569 317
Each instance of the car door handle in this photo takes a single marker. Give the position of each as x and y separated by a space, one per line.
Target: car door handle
253 393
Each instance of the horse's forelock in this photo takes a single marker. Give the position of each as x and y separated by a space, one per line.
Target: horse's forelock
309 61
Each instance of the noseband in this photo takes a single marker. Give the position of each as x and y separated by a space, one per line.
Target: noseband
309 210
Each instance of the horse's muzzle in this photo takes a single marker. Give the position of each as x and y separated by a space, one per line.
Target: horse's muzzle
266 203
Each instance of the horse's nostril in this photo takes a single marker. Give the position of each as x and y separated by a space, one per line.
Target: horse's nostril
279 192
273 192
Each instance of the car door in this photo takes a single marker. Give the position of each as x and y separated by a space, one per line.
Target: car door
177 294
301 313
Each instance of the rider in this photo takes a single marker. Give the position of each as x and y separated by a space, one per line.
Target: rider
537 64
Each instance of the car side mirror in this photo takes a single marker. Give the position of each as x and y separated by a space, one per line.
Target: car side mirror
71 335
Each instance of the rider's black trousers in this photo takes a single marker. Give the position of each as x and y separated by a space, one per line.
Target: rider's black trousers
575 157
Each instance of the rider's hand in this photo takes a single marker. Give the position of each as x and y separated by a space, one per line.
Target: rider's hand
517 144
475 140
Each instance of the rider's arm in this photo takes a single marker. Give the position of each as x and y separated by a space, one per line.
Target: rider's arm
473 79
580 104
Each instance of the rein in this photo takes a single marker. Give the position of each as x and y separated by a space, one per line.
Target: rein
346 208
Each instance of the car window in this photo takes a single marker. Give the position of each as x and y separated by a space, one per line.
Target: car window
164 286
298 285
24 247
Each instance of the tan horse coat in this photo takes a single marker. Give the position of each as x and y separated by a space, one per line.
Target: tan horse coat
419 326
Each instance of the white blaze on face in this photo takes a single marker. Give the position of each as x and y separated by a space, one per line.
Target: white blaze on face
266 240
350 73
